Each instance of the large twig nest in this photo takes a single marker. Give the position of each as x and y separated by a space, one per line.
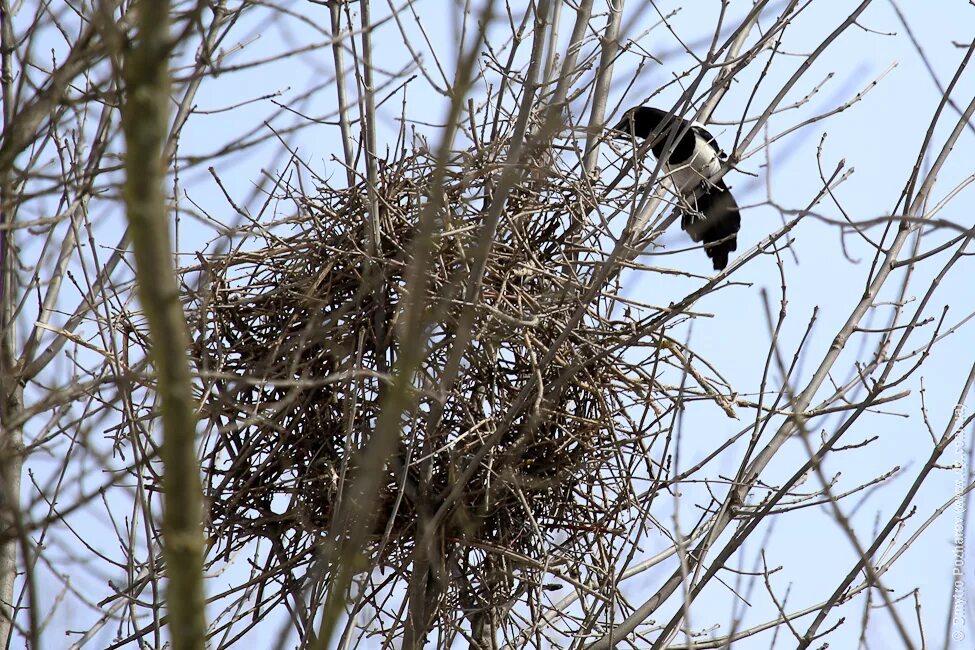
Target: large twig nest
296 334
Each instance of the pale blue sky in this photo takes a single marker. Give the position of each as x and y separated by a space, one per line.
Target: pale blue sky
878 136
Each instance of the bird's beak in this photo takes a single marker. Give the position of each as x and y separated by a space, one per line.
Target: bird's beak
621 131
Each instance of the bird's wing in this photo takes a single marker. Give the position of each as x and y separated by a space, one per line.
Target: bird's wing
707 137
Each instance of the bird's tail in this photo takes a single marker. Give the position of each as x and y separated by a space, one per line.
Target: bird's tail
715 222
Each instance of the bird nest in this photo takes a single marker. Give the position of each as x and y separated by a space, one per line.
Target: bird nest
517 418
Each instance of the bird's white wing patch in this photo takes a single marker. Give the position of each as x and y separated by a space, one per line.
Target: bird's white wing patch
706 159
703 164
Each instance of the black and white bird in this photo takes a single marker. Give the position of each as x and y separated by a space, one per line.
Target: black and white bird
709 213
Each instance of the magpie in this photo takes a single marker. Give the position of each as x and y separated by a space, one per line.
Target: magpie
708 212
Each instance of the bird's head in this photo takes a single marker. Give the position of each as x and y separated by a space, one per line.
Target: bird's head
640 122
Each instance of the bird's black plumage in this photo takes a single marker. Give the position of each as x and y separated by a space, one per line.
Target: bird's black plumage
710 213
